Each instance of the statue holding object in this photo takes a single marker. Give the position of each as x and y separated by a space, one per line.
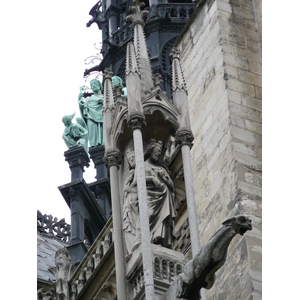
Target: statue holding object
75 134
91 112
160 196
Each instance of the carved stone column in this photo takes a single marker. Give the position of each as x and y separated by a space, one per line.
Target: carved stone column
136 120
184 138
97 155
77 159
112 161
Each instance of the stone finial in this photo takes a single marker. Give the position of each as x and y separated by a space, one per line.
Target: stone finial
141 53
137 16
178 81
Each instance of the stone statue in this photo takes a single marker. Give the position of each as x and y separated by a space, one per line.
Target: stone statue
200 271
91 112
45 294
75 133
160 194
62 272
117 81
131 220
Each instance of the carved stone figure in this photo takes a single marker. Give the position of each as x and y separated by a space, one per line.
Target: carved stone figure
160 195
117 81
91 112
131 220
62 272
45 294
200 271
75 133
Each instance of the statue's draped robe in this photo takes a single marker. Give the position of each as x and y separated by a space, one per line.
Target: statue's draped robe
161 210
131 220
91 112
161 207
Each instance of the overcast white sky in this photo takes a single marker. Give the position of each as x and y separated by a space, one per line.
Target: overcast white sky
46 48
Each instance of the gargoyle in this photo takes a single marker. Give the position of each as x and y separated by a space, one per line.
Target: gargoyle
200 272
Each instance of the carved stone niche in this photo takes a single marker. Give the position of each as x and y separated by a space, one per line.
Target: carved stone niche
167 265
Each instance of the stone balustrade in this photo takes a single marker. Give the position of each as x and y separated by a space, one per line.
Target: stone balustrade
91 260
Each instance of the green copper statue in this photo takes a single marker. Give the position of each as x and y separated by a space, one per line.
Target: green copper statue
75 134
117 81
91 112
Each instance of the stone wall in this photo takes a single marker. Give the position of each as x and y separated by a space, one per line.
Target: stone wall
221 60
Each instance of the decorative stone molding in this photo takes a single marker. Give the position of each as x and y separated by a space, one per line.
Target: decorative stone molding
184 136
112 158
46 224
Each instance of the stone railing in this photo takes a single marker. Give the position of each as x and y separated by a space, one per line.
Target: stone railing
160 11
172 11
122 35
167 265
92 259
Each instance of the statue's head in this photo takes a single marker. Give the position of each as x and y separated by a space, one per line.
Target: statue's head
62 257
129 154
96 86
239 223
153 150
45 294
116 81
67 120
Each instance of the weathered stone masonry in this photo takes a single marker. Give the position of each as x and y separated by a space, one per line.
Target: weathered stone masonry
221 51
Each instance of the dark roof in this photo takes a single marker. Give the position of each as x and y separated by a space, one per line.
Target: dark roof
46 249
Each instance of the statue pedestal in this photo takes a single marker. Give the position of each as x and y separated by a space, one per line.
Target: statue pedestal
167 265
97 155
77 159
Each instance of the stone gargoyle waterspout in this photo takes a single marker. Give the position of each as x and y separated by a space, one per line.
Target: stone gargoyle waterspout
200 272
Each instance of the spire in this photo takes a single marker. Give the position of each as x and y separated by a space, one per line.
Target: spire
179 90
178 81
140 45
108 92
131 63
108 110
133 84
